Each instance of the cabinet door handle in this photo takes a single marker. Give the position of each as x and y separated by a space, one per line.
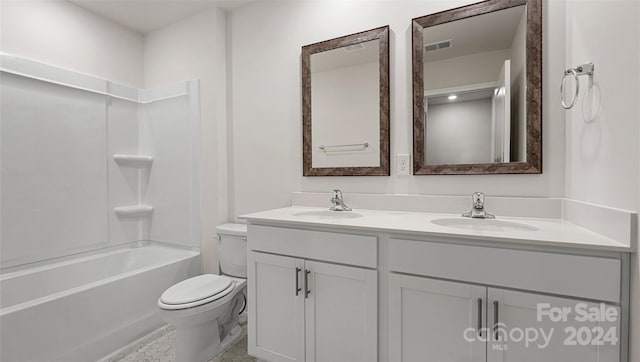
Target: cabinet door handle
298 289
479 326
495 318
306 283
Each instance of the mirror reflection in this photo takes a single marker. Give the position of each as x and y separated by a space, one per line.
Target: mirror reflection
474 74
345 106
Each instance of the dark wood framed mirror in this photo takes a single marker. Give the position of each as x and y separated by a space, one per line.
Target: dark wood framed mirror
477 89
345 105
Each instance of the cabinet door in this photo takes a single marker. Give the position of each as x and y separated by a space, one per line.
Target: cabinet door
433 320
532 328
341 313
276 307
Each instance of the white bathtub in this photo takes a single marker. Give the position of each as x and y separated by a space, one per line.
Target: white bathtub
85 308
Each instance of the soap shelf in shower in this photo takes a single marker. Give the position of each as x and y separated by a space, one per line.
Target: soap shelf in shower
134 161
133 210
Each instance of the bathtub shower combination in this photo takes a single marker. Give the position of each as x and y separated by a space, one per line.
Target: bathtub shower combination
99 209
84 308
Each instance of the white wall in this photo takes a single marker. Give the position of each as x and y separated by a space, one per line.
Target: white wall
345 109
60 183
266 40
54 196
123 186
69 214
170 132
602 144
602 150
460 71
458 132
62 34
194 48
68 36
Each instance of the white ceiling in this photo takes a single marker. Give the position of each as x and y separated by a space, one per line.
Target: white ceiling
145 16
462 97
478 34
339 58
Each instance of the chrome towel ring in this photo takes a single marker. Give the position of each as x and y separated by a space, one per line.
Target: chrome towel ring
584 69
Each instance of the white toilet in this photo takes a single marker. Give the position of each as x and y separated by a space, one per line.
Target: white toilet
204 309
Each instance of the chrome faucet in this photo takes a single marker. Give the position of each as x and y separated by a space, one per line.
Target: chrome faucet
337 203
478 211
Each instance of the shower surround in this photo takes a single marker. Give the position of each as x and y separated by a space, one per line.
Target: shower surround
99 207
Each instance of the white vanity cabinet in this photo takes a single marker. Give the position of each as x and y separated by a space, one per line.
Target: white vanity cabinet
434 320
276 309
310 310
467 320
345 292
427 318
569 340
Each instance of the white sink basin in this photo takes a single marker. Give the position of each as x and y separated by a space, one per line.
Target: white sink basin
328 214
483 224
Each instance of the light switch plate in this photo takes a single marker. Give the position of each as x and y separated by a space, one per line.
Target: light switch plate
403 164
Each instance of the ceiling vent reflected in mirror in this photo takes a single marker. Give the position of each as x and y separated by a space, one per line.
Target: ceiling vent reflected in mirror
354 48
477 106
444 44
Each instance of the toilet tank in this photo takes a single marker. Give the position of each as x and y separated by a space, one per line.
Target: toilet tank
233 249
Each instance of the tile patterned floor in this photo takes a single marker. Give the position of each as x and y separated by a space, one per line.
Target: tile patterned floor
161 348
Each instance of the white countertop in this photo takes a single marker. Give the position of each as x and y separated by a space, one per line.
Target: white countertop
547 232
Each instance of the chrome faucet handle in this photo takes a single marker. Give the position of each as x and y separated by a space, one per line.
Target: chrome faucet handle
337 194
477 209
337 202
478 200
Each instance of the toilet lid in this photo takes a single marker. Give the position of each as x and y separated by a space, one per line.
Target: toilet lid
194 289
232 229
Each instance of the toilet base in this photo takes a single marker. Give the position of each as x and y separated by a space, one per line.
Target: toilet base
203 343
230 339
204 331
198 344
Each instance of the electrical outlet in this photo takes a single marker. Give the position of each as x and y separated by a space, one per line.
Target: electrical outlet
403 164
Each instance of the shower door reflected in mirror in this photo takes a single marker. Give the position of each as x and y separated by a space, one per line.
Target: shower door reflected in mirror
476 89
345 105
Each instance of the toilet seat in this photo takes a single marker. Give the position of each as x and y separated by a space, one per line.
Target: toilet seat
196 291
